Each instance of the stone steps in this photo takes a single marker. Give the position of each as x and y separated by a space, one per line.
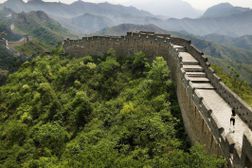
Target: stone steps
196 74
190 63
198 79
187 58
206 86
193 68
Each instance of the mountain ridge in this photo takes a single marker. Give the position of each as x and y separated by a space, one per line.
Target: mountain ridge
222 10
234 24
66 13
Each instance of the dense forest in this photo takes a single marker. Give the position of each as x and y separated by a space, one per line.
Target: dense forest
8 63
60 111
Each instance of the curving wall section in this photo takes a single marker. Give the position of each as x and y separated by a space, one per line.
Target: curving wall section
204 99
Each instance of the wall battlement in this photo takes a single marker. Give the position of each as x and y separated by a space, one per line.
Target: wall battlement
205 101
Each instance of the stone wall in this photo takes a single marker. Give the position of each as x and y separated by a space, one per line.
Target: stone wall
22 41
200 123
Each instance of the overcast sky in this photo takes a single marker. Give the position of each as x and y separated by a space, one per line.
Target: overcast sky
198 4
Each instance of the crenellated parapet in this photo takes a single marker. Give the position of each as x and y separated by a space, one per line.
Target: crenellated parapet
205 101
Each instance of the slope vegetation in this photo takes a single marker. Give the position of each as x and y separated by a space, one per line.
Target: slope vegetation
94 112
36 24
40 26
45 32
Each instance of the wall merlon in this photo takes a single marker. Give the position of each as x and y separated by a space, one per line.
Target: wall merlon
180 41
217 124
85 38
163 35
205 58
160 37
207 63
135 34
207 110
216 77
129 33
151 35
146 32
198 99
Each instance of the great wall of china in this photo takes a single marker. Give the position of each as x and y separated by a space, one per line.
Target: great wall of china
13 44
204 99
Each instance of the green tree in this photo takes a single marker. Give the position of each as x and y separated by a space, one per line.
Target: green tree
50 136
15 132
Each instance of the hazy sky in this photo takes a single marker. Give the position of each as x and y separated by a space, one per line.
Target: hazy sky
198 4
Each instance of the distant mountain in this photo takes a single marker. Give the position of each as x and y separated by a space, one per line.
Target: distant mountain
122 29
244 42
223 10
84 17
40 26
45 33
232 25
95 22
5 25
169 8
107 9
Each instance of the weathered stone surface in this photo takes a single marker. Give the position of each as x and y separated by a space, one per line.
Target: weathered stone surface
187 58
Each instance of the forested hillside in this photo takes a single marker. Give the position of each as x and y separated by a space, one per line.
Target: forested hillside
8 63
45 34
58 111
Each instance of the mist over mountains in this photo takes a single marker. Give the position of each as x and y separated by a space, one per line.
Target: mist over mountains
223 10
169 8
83 17
223 19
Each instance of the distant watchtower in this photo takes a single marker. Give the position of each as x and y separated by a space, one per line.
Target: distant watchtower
3 41
27 38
